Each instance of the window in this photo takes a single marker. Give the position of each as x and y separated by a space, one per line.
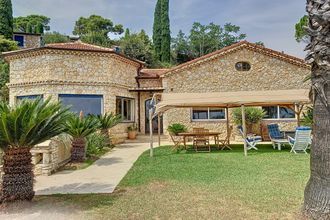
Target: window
279 112
28 97
20 40
208 114
243 66
88 104
125 108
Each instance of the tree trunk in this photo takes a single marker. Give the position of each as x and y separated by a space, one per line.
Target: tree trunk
317 192
78 151
106 134
18 175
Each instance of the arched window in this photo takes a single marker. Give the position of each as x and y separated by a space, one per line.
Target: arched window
242 66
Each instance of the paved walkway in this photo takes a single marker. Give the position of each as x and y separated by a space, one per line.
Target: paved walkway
101 177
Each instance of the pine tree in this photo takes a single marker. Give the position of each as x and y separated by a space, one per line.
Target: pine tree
157 30
6 19
166 33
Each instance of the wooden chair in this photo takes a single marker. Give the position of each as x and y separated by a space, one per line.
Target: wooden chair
177 141
225 143
201 140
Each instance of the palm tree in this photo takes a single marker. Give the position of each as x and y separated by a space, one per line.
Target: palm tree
79 128
106 122
21 128
317 192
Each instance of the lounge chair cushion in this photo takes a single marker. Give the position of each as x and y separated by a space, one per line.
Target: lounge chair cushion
274 131
255 138
304 128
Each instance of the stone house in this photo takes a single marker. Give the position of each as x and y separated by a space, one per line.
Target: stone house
96 80
27 40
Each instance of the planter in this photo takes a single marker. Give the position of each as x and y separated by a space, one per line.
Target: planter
132 135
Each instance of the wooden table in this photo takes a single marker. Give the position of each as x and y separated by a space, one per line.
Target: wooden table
192 134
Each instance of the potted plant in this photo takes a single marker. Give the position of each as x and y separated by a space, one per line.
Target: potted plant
132 132
253 116
176 128
106 122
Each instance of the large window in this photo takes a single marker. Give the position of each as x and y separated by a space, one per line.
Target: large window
28 97
20 40
208 114
125 108
279 112
88 104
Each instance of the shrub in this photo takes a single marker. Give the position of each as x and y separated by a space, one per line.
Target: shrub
176 128
95 143
307 119
253 115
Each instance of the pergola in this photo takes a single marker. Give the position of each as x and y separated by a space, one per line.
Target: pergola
166 101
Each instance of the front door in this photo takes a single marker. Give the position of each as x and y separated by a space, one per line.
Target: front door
154 121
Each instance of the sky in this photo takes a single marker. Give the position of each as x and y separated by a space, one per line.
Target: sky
269 21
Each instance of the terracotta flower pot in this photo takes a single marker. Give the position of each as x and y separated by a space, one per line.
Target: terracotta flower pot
132 135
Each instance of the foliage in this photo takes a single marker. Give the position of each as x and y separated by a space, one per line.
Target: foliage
81 127
181 48
6 19
97 38
30 123
161 31
132 127
176 128
95 144
7 45
55 37
253 115
34 24
260 43
300 27
138 46
307 119
205 39
108 121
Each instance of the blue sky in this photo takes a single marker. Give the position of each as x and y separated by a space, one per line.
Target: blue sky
269 21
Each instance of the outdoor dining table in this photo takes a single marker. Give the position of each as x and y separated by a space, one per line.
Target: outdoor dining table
193 134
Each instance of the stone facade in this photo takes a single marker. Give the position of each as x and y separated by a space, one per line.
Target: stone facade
51 73
219 75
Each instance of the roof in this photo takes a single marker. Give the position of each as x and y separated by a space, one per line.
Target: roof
232 99
152 73
235 47
78 45
71 46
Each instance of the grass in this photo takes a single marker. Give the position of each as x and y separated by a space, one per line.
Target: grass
268 184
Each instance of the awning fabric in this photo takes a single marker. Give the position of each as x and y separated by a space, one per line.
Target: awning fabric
232 99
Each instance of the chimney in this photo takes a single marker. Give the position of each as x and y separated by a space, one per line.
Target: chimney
74 38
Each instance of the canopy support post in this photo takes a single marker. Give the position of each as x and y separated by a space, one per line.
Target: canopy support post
244 129
159 130
227 115
151 138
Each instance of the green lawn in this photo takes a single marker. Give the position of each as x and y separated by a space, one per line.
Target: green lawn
268 184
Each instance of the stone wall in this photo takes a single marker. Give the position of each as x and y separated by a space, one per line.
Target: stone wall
64 72
150 83
30 40
220 75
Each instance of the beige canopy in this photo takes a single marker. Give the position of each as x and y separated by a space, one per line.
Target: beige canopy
232 99
227 100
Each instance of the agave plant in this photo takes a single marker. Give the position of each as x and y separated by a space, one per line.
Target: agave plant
21 128
106 122
79 128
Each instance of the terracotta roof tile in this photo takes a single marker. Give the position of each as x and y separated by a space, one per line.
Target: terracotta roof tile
152 73
78 46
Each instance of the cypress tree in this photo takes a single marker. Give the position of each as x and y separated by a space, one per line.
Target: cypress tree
6 19
157 30
166 33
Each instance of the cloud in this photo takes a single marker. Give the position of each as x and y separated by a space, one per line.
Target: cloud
269 21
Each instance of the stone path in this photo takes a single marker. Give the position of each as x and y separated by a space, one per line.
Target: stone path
101 177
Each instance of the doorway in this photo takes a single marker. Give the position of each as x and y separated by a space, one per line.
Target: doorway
154 121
